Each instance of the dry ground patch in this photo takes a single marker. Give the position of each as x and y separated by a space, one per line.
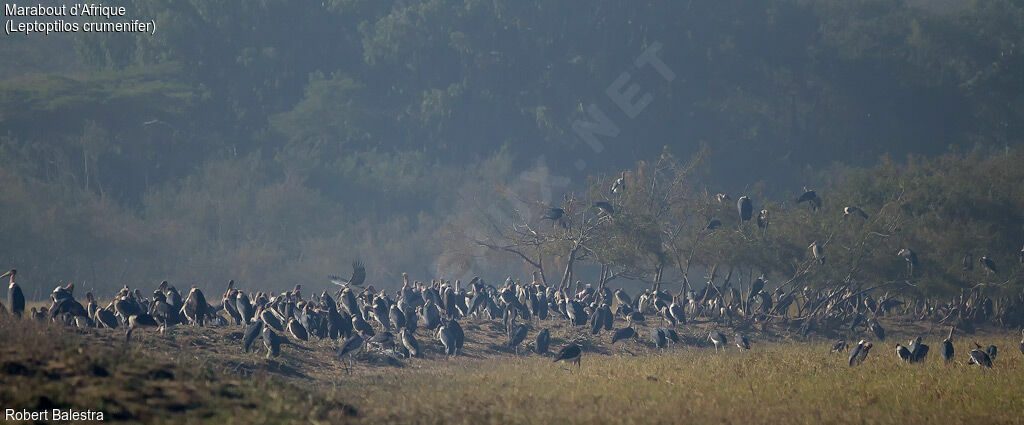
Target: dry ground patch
196 375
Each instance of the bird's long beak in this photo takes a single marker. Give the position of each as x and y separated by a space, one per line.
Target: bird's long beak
8 273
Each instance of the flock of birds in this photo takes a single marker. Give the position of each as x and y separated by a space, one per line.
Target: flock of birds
363 318
916 351
745 211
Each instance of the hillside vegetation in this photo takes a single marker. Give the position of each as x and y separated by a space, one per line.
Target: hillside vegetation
275 142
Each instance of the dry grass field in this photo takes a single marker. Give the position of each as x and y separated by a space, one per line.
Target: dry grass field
201 376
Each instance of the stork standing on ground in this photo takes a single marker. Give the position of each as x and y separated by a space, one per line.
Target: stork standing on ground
15 297
980 358
659 337
718 339
570 353
902 353
623 334
349 348
947 346
742 342
409 341
542 342
516 337
252 331
859 352
1022 341
138 321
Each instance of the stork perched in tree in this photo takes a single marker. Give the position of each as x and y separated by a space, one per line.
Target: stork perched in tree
810 197
989 265
852 210
968 262
763 218
745 208
620 184
816 252
555 215
910 257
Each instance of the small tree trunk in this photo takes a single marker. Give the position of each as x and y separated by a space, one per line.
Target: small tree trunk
567 275
657 277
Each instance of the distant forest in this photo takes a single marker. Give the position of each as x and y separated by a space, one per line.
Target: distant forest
275 142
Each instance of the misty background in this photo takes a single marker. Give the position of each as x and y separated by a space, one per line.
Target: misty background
275 142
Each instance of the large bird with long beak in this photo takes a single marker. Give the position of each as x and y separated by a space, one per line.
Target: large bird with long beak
15 297
61 292
810 197
357 279
620 183
196 308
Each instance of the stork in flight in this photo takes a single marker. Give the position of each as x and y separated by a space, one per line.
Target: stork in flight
357 279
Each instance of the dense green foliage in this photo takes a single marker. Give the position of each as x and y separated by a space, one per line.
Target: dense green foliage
276 141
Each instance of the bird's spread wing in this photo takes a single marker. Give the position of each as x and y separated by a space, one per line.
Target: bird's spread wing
358 274
357 279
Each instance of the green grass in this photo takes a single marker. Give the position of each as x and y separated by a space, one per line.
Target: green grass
200 376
